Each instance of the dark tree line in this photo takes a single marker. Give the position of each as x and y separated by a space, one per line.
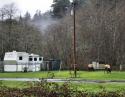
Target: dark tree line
100 32
16 33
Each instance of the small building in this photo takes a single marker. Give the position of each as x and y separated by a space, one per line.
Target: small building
20 61
52 64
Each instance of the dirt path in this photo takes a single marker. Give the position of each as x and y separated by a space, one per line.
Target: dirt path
63 80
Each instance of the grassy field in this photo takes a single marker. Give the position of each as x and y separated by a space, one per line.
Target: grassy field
98 75
100 86
14 84
94 87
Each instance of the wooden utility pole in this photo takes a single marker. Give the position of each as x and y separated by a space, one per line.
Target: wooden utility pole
74 39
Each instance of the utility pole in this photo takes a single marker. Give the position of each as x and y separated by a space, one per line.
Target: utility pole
74 39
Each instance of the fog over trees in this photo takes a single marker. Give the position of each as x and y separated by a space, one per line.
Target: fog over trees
100 31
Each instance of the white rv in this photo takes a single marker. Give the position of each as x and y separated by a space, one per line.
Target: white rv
19 61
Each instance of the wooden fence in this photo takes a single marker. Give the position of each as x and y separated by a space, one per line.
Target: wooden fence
1 66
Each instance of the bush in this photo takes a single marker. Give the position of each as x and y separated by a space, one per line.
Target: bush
45 89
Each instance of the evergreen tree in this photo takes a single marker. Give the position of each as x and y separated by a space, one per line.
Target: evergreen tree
60 7
37 16
79 3
27 17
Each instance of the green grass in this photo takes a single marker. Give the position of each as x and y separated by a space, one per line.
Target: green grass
103 76
92 87
15 84
98 75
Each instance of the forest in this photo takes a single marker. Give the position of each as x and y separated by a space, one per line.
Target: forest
100 31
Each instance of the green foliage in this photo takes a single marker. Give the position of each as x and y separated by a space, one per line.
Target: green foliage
44 89
50 75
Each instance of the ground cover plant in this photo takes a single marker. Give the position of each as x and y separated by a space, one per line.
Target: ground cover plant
45 89
94 87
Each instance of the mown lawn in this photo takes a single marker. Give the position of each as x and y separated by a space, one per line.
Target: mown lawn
115 75
97 75
15 84
95 87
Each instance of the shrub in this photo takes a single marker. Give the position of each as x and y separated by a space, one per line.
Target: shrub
45 89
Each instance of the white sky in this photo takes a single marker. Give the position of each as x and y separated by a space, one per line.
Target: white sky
29 5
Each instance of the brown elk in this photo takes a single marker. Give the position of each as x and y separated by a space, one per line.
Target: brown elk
90 67
107 68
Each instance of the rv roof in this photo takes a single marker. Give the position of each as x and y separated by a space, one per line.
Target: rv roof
34 55
15 52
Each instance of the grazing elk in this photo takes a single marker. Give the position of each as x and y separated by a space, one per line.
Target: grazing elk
107 68
90 67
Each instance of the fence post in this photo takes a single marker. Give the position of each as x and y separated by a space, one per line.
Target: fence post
120 67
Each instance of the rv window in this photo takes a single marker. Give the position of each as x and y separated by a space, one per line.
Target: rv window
35 59
30 59
20 58
40 59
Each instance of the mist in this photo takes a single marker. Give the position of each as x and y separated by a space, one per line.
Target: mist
43 24
43 21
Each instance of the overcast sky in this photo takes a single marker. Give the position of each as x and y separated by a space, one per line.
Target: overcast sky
29 5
